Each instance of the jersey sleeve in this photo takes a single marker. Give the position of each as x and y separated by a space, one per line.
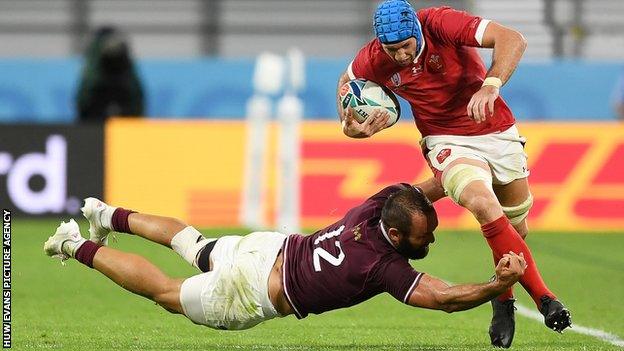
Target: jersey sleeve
362 65
398 278
454 27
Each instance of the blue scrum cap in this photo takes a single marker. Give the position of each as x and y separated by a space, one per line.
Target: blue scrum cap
395 21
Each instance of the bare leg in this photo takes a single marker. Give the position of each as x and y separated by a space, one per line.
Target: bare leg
137 275
172 233
158 229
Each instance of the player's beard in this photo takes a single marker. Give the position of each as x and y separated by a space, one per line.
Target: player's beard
413 253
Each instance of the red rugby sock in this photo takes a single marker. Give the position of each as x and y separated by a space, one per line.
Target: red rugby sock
119 220
502 237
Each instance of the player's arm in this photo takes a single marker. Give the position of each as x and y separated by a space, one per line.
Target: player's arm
435 294
509 46
432 188
350 126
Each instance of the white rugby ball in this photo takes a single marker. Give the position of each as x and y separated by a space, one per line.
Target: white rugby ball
365 96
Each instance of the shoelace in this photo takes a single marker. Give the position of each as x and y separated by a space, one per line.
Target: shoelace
63 257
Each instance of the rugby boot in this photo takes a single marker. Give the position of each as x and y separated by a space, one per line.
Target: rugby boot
556 316
65 241
503 325
99 215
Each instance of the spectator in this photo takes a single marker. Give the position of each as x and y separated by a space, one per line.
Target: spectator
109 85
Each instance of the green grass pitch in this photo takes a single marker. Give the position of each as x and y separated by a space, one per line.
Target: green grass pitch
74 308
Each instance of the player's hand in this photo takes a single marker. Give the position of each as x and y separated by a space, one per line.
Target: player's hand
481 104
510 268
373 124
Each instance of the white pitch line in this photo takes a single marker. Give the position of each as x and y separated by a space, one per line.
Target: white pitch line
596 333
576 328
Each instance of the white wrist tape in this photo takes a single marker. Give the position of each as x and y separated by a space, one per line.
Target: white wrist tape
493 81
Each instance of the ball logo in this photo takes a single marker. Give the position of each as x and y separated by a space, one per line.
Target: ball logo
51 165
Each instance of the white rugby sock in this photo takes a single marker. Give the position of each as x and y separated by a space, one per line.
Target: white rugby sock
187 244
69 247
106 217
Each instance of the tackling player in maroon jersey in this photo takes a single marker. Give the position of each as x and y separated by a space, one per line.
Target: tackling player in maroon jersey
469 135
263 275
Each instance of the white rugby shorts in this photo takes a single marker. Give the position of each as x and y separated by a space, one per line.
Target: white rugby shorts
234 295
502 151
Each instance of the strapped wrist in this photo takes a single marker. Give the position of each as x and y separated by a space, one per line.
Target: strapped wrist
493 81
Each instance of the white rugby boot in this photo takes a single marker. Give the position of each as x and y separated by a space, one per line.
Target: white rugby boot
99 215
65 241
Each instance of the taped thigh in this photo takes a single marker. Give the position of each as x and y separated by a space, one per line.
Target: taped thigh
459 176
188 242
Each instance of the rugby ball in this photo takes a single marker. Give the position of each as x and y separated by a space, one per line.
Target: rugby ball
364 97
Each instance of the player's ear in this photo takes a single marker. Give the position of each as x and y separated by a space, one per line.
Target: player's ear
395 236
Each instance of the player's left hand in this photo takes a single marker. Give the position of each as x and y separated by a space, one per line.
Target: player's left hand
482 99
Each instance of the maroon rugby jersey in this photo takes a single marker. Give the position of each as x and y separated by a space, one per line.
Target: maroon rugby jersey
346 263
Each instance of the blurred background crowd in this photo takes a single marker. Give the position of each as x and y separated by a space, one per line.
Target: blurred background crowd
188 52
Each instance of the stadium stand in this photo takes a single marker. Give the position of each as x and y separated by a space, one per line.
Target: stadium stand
218 40
326 28
528 17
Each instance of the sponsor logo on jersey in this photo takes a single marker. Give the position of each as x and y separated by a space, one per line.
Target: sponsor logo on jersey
418 69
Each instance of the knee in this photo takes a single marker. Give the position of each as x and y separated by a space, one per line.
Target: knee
169 297
481 205
177 225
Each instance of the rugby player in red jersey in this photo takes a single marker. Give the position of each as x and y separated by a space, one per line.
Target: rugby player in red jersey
469 137
263 275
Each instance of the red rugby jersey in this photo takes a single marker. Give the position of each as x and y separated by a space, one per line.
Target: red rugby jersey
443 78
346 263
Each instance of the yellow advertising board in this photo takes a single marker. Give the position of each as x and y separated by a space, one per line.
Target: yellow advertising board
194 170
191 170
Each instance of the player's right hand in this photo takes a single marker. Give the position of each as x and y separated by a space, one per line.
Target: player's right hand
373 124
510 268
481 104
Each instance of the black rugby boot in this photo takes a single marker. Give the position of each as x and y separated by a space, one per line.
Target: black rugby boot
556 316
503 324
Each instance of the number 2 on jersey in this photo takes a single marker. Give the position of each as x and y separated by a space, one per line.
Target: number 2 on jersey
319 252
